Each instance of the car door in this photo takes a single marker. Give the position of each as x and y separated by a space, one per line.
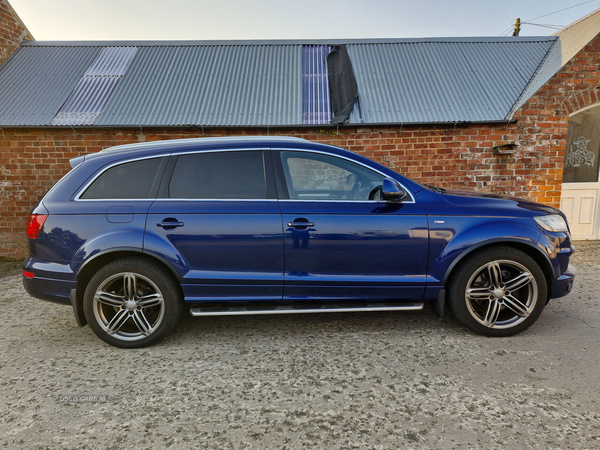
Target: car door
217 221
340 243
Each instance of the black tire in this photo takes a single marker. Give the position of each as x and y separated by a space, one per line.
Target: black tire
132 303
498 291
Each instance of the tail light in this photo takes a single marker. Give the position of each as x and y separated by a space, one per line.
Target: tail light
35 224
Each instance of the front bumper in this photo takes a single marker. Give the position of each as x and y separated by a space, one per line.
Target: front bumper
563 285
559 248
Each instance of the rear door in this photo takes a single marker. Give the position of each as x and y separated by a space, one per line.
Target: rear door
340 243
217 221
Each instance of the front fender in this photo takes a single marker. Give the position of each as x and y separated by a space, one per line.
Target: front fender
453 238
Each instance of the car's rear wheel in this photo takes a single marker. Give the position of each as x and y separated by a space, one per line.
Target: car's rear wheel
498 291
132 302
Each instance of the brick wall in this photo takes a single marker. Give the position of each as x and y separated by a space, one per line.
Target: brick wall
12 31
460 157
32 160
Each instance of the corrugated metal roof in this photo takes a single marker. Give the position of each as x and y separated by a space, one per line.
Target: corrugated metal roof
443 81
35 82
259 83
91 95
210 85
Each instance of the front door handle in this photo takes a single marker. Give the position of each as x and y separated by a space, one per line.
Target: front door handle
169 224
301 224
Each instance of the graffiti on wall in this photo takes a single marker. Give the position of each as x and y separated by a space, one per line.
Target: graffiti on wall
580 155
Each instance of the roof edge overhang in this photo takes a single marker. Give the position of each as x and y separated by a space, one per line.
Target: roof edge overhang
527 91
267 127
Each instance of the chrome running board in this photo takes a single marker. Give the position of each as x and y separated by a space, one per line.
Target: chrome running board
287 309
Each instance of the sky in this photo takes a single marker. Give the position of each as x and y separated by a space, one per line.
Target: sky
287 19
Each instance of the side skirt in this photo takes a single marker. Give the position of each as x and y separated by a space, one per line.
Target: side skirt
249 310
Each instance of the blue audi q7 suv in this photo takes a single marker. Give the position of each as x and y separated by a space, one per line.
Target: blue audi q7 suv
134 234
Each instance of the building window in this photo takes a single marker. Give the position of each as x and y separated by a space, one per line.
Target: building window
583 146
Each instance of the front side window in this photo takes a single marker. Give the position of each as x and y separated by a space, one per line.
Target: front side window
314 176
132 180
219 175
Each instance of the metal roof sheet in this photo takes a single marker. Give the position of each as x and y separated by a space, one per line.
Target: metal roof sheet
34 82
443 81
211 86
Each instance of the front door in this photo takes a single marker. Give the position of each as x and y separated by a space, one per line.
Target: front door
342 243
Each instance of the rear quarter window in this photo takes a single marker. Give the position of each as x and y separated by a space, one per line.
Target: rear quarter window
125 181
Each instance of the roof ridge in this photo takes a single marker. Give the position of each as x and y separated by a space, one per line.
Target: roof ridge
182 43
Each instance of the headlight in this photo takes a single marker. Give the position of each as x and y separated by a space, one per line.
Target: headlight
552 222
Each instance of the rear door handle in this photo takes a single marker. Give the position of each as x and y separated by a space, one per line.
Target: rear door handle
169 225
301 224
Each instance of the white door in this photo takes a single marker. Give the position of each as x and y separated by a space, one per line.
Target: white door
579 202
579 198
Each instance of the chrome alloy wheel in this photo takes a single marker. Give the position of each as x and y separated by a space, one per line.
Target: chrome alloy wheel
501 294
128 306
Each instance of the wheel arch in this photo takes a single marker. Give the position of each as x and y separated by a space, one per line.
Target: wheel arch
534 252
91 266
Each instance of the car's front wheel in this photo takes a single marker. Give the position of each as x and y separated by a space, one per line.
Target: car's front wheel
498 291
132 303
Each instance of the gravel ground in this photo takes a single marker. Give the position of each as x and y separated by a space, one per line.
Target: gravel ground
324 381
10 267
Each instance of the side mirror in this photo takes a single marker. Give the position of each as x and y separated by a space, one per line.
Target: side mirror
391 191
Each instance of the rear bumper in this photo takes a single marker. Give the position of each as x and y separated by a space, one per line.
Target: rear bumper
563 285
51 281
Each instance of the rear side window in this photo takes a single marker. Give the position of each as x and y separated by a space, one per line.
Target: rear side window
219 175
128 180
